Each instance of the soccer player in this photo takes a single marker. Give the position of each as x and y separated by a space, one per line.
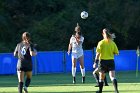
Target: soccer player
75 44
105 51
96 76
23 51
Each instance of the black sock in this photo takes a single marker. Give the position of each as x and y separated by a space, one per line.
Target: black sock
105 80
115 85
27 82
96 78
20 86
101 86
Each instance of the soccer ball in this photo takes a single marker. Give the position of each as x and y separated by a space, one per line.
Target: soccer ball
84 15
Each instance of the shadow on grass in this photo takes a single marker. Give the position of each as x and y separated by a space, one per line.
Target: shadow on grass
122 91
65 79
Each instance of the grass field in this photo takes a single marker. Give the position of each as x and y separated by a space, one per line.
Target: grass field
62 83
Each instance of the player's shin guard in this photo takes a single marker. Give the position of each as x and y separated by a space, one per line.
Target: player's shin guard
73 71
83 75
115 85
20 86
27 82
73 74
83 72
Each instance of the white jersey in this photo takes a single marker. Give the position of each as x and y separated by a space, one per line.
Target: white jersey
76 48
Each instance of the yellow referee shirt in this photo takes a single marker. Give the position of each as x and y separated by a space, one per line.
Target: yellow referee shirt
107 49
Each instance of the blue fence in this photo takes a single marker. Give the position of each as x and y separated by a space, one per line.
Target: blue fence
59 61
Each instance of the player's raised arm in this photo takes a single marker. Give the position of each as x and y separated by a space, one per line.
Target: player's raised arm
69 46
33 52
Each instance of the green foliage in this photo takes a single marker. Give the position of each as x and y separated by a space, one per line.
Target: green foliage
52 22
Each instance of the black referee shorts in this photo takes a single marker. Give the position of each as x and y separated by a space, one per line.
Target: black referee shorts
106 65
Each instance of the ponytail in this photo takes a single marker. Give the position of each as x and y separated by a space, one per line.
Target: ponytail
77 28
108 34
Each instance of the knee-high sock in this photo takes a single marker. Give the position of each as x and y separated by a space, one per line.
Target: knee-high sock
73 71
27 82
96 78
20 86
115 85
105 81
101 86
83 72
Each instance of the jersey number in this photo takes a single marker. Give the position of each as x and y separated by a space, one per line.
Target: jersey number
23 50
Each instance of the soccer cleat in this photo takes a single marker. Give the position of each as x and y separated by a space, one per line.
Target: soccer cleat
117 91
83 79
25 90
74 80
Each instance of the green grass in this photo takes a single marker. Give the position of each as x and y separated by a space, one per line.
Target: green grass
62 83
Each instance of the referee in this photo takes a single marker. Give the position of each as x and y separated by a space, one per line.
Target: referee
106 49
23 51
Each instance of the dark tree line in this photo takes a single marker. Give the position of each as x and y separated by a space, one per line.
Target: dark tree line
52 22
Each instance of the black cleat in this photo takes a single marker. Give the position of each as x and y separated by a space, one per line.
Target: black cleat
83 79
117 91
74 80
25 90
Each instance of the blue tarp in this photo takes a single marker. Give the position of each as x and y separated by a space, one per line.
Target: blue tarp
60 61
7 64
48 62
126 60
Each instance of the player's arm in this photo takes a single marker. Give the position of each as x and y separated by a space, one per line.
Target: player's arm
70 45
96 60
69 48
33 52
98 51
16 51
116 51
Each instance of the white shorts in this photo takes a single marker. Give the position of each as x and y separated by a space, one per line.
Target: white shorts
76 55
